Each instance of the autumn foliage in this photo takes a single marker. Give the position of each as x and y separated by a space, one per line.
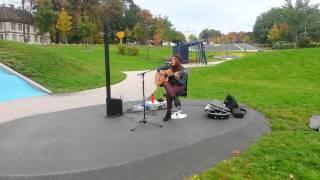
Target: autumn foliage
64 23
157 35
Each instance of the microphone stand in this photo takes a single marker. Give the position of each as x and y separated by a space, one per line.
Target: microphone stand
144 120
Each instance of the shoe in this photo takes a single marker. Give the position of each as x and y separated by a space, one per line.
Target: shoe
167 117
177 102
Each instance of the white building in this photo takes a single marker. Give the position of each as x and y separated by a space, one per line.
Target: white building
12 23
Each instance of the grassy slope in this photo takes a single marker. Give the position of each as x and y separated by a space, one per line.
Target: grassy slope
73 68
285 86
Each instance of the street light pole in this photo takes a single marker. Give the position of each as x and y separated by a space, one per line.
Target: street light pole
113 106
107 62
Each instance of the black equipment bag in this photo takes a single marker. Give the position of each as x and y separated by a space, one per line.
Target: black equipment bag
232 104
238 112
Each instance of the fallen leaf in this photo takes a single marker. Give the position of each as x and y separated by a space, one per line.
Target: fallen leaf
236 152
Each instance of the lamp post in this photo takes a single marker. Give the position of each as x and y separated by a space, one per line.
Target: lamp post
107 61
113 106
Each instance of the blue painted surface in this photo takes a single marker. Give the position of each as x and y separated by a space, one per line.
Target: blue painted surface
12 87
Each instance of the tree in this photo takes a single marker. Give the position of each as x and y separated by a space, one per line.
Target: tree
131 17
148 22
121 15
300 16
157 37
139 33
283 31
86 29
192 37
110 10
314 28
128 34
75 7
64 23
167 30
273 34
146 16
231 37
209 34
56 5
159 29
288 4
265 22
178 36
44 19
246 38
294 19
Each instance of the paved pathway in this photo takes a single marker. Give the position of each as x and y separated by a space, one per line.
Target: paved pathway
80 144
129 89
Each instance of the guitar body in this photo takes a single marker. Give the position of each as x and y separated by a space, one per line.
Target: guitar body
162 77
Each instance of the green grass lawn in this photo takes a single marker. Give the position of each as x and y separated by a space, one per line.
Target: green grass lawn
66 68
283 85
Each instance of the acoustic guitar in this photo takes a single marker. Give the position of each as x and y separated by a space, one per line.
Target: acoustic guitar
162 77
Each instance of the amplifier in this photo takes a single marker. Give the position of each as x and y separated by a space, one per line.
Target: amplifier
114 108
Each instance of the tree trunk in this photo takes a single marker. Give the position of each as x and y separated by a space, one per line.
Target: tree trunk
24 27
296 38
42 39
58 37
76 13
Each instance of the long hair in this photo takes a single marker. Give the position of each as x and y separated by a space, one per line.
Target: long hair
177 67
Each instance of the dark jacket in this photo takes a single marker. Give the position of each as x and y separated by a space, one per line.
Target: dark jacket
182 73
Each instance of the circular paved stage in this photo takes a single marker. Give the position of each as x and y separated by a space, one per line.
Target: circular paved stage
81 144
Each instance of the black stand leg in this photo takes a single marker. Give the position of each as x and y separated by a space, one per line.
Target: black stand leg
144 120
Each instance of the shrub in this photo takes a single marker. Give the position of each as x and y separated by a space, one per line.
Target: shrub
74 39
122 49
304 43
283 45
314 45
286 46
132 51
128 50
98 39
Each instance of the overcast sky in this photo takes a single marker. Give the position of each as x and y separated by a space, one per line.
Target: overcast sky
195 15
224 15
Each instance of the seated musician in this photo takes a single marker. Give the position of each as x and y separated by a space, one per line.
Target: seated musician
175 84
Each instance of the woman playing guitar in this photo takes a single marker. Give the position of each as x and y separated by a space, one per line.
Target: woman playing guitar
174 81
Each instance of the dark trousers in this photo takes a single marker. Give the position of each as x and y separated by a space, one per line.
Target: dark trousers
172 90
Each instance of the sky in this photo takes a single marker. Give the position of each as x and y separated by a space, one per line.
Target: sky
192 16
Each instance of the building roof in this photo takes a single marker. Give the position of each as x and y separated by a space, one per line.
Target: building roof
10 14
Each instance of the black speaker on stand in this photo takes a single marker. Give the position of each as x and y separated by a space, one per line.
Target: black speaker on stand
113 106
